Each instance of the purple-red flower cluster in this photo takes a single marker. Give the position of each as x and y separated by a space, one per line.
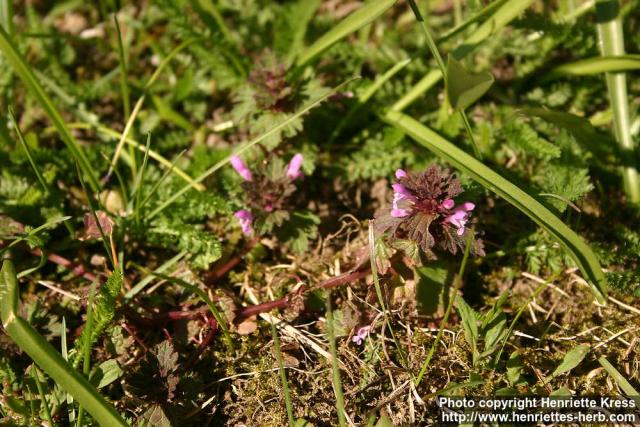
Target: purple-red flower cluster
423 210
266 191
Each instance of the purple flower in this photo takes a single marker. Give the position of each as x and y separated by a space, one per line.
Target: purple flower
246 218
460 216
400 193
293 171
361 334
424 212
448 204
241 168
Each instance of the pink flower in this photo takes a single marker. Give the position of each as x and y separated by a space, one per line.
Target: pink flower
293 171
448 204
246 218
460 216
400 173
361 335
400 193
241 168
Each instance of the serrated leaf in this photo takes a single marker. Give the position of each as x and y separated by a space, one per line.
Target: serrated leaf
167 358
581 128
103 312
571 359
463 87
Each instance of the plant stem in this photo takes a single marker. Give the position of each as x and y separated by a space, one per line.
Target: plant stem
456 286
283 374
283 302
611 40
436 54
47 412
337 382
376 283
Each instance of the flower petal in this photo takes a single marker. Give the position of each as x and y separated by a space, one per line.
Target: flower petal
400 174
448 204
399 213
293 171
241 168
468 206
246 218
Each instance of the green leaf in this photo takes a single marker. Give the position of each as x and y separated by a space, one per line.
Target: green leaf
620 380
561 392
106 373
46 357
581 128
103 312
384 421
431 288
464 88
514 368
571 359
246 145
596 65
580 252
469 322
352 23
292 26
505 14
23 70
611 43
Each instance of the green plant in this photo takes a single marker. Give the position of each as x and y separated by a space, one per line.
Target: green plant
47 357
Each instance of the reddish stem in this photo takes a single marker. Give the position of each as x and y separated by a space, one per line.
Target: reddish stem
77 269
284 301
225 268
213 325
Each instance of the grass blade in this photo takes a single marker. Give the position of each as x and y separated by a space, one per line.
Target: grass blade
335 369
51 362
502 12
27 151
124 87
22 69
6 16
149 278
611 40
596 65
356 20
245 146
283 374
202 295
380 295
577 248
153 154
138 106
505 14
456 285
47 412
620 380
417 90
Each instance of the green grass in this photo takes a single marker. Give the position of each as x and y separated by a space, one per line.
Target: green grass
431 199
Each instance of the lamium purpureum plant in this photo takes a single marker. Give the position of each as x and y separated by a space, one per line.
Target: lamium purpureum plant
424 213
267 191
